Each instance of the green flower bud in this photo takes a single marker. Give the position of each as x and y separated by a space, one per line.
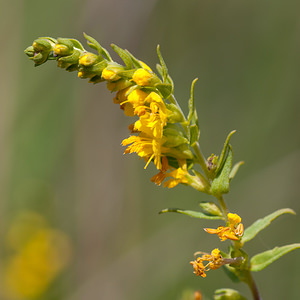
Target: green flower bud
212 162
63 47
228 294
88 59
175 115
174 136
29 51
42 45
211 208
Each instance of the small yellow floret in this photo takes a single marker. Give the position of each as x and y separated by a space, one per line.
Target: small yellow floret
142 77
109 75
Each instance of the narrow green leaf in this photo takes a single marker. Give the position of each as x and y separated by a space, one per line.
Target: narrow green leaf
191 101
124 56
136 63
235 169
224 151
260 224
77 44
191 213
95 45
210 208
220 184
262 260
163 64
165 89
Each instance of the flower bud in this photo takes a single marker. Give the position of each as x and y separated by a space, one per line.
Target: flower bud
174 114
42 45
88 59
63 47
211 208
228 294
29 51
212 163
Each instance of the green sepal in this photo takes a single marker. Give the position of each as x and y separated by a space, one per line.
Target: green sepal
96 79
223 153
176 116
124 56
211 208
262 260
220 184
261 224
126 73
228 294
95 45
173 162
136 63
193 118
72 68
191 213
165 89
234 169
77 44
69 45
70 59
174 135
163 65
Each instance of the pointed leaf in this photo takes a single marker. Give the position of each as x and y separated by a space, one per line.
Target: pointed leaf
165 89
260 224
77 44
136 63
262 260
95 45
163 64
235 169
124 56
220 184
191 100
224 151
190 213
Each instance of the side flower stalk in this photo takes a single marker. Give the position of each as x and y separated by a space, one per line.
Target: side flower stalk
161 134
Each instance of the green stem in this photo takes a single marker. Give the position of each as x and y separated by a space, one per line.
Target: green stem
224 208
253 287
201 159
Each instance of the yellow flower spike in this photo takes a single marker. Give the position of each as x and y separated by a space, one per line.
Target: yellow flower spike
142 77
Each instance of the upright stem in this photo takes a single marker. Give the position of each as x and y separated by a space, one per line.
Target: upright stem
224 208
201 159
253 287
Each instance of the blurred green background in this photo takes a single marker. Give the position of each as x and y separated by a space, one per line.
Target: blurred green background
61 156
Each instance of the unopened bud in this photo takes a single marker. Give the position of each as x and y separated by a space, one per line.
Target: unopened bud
42 45
212 163
88 59
63 47
228 294
211 208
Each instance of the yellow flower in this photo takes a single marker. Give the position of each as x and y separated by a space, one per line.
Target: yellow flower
146 147
215 261
233 231
142 77
136 98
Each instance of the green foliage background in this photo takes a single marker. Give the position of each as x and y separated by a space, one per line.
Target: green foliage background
60 140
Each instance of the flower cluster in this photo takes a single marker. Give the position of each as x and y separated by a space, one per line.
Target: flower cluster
233 231
161 134
215 261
